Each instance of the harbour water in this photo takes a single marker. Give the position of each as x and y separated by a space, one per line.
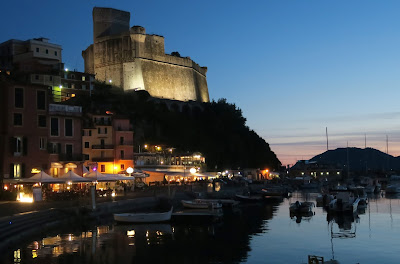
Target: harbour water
253 233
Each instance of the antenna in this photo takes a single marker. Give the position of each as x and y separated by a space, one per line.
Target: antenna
327 146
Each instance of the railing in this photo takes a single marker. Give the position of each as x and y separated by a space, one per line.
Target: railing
102 146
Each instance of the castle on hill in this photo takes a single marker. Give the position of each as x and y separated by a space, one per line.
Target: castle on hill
129 58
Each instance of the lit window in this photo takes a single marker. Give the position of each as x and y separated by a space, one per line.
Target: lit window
83 78
17 171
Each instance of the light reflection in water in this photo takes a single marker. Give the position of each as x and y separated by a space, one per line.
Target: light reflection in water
251 235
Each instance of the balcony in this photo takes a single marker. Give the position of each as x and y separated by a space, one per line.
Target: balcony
70 157
103 159
102 146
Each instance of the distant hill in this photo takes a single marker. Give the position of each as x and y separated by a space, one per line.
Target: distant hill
360 160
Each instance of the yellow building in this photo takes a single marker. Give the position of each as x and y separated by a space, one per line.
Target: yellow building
107 143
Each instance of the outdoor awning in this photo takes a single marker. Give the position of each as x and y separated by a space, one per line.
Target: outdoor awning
57 165
71 176
42 177
71 165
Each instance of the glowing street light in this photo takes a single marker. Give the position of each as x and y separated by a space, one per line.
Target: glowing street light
129 170
192 170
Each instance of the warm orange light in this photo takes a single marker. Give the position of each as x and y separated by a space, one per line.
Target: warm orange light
115 168
5 187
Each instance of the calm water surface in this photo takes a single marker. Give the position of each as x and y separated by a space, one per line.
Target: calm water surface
252 234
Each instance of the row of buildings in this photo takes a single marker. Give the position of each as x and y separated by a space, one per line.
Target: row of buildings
40 129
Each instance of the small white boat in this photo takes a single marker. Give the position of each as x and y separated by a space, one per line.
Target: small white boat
199 204
344 202
301 207
143 217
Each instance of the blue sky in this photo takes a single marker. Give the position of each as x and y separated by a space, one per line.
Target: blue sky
293 67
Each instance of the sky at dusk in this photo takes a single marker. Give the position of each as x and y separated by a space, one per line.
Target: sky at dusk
293 67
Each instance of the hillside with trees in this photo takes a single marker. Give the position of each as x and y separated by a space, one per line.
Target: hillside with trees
217 129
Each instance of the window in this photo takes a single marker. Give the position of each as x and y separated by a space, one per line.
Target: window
54 127
122 154
105 130
83 78
36 77
41 100
55 148
18 146
55 53
121 140
17 168
37 49
98 130
51 78
17 119
72 76
87 157
68 128
68 150
102 168
47 51
83 86
42 143
90 133
122 167
42 121
86 144
19 98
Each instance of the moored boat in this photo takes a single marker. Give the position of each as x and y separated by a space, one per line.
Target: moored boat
301 207
199 204
344 202
151 217
249 198
393 188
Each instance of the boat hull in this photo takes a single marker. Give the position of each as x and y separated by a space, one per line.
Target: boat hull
201 205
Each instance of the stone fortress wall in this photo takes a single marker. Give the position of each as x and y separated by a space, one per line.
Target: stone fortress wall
131 59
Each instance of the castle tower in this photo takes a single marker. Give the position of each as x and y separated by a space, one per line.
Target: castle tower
109 21
131 59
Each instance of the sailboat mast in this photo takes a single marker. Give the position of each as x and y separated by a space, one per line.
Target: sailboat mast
327 146
348 165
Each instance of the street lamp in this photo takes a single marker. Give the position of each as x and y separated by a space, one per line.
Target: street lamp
130 170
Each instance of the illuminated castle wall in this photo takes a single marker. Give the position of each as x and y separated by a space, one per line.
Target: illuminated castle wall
131 59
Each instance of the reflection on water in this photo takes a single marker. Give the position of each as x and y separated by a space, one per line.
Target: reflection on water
261 233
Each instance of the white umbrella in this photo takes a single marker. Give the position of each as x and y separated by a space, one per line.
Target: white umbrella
71 176
42 177
97 176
